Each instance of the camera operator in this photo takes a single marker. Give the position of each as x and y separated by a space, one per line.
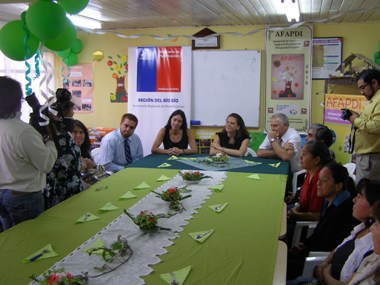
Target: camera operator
365 139
24 160
64 180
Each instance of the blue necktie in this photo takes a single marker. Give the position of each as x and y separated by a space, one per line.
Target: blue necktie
127 151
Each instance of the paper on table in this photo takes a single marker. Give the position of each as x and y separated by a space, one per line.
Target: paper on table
164 165
108 207
218 207
179 275
275 164
98 243
173 157
163 178
217 188
87 217
142 185
254 176
45 252
201 236
128 195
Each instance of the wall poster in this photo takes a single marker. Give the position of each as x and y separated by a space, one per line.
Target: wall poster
327 56
288 75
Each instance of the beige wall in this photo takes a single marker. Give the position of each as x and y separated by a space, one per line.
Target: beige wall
357 38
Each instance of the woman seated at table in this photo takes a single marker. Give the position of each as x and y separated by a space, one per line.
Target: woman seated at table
368 272
314 156
342 262
82 140
233 140
336 220
175 136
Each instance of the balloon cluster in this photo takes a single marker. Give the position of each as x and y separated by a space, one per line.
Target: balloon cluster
45 23
376 56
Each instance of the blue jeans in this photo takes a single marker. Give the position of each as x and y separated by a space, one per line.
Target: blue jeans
16 207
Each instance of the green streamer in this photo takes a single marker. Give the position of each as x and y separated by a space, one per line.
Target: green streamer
37 65
28 89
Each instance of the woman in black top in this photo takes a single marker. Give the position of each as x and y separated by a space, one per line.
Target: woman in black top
233 139
175 136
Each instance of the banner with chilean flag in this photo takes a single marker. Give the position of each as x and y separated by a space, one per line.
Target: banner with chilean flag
159 82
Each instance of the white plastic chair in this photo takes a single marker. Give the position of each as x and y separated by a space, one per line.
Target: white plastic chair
250 152
314 259
298 230
295 179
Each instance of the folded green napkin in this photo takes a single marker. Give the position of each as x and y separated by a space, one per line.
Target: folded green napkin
254 176
45 252
108 207
218 207
201 236
164 165
142 185
128 195
98 243
163 178
179 275
87 217
275 164
188 158
251 162
217 188
173 157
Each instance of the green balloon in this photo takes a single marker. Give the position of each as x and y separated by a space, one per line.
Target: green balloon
73 6
46 20
76 46
64 40
71 59
377 60
63 53
12 41
377 54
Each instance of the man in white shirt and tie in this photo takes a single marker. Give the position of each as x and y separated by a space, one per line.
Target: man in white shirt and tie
122 146
282 142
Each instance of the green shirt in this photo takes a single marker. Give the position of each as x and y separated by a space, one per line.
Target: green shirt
367 125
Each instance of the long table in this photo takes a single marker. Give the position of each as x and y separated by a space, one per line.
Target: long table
242 249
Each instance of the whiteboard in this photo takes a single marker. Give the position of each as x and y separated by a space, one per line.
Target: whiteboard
225 82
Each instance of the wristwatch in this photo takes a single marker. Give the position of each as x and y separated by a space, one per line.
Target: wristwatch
272 140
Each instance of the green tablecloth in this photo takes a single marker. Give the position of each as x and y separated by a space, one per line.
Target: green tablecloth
155 160
241 251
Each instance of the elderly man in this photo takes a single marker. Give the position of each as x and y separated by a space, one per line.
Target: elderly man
24 160
365 133
122 146
282 142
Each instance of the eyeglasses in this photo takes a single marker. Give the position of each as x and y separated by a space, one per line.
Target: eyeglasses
363 86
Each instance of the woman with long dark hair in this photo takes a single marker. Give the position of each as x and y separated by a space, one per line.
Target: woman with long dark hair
175 137
233 140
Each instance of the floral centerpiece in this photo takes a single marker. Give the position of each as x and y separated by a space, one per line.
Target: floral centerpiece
147 221
193 176
173 195
60 277
220 158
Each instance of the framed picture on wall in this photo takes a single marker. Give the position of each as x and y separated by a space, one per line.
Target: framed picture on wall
327 56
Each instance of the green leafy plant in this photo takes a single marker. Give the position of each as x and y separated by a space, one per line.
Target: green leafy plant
147 221
60 277
173 195
193 175
220 158
119 252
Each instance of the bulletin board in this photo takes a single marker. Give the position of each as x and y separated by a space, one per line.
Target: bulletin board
226 82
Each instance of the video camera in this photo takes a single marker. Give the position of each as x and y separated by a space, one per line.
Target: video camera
62 96
346 114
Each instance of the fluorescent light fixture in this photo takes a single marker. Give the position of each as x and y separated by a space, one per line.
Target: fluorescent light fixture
84 22
292 10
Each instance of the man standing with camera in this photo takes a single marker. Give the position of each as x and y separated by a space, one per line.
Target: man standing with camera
365 132
24 160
